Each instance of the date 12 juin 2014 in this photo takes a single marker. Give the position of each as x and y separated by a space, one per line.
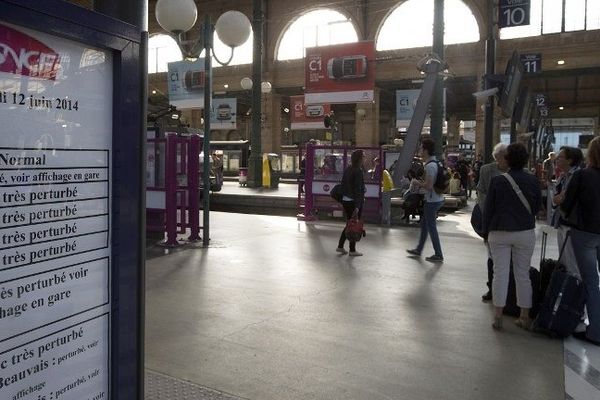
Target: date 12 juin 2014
39 103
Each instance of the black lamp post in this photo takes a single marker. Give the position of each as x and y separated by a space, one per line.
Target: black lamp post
233 28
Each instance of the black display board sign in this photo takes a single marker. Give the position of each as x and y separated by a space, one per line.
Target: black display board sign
513 13
532 63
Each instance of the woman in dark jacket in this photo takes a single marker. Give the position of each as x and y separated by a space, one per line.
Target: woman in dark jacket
509 228
581 207
353 189
568 161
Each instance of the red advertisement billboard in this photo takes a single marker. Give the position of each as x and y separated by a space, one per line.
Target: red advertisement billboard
344 73
307 116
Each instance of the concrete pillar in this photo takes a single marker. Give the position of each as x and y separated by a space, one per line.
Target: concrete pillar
255 161
367 122
453 133
194 118
479 126
272 128
480 106
437 102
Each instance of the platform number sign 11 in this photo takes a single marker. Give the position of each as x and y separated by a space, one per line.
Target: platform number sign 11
513 13
532 63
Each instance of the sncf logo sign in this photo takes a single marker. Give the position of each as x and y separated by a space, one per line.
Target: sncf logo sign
23 55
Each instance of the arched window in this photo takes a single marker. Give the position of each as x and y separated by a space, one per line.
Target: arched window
411 25
241 55
315 28
556 16
162 49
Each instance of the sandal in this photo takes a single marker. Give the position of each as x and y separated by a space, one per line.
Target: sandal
523 323
497 324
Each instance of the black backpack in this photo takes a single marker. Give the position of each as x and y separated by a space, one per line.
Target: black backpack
337 193
442 179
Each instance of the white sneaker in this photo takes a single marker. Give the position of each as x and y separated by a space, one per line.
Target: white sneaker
355 254
341 250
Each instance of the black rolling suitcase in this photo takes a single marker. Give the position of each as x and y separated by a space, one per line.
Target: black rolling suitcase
563 305
511 308
548 265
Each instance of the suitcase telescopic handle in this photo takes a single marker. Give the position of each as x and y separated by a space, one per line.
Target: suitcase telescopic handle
544 244
564 245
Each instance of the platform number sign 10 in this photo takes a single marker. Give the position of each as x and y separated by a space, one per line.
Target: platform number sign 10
513 13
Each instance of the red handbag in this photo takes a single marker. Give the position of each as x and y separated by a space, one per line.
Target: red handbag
354 229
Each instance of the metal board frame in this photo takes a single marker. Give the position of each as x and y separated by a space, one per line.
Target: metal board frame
76 23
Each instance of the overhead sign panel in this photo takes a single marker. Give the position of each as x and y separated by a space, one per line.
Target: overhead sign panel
343 73
406 101
513 13
223 114
532 63
307 116
56 108
186 81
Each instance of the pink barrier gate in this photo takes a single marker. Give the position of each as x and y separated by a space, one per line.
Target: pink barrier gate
173 199
325 167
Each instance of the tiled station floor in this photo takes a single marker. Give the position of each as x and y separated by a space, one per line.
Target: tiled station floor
270 311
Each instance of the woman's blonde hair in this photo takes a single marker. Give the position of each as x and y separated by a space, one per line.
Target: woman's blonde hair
593 153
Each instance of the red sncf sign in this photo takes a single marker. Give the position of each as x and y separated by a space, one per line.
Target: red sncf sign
23 55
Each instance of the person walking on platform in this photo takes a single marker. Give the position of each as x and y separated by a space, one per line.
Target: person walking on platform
464 168
433 203
568 161
513 200
486 173
353 189
477 169
581 204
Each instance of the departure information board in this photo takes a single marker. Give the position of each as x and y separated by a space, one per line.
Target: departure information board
56 102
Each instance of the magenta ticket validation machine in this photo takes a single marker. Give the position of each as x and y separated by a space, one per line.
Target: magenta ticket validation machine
71 253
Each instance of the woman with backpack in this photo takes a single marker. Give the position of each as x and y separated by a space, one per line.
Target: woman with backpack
353 193
512 202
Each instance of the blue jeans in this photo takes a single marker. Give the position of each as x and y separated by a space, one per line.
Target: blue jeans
428 226
587 252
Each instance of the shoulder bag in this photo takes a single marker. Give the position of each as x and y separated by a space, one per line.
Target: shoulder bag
518 191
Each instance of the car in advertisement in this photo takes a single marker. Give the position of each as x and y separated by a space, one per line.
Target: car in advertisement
315 111
224 112
347 67
194 81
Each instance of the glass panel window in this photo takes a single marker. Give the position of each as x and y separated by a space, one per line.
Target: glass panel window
162 49
593 14
315 28
411 25
309 37
574 15
552 16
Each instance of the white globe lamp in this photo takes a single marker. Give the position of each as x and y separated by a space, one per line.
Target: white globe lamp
246 83
176 15
233 28
266 87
